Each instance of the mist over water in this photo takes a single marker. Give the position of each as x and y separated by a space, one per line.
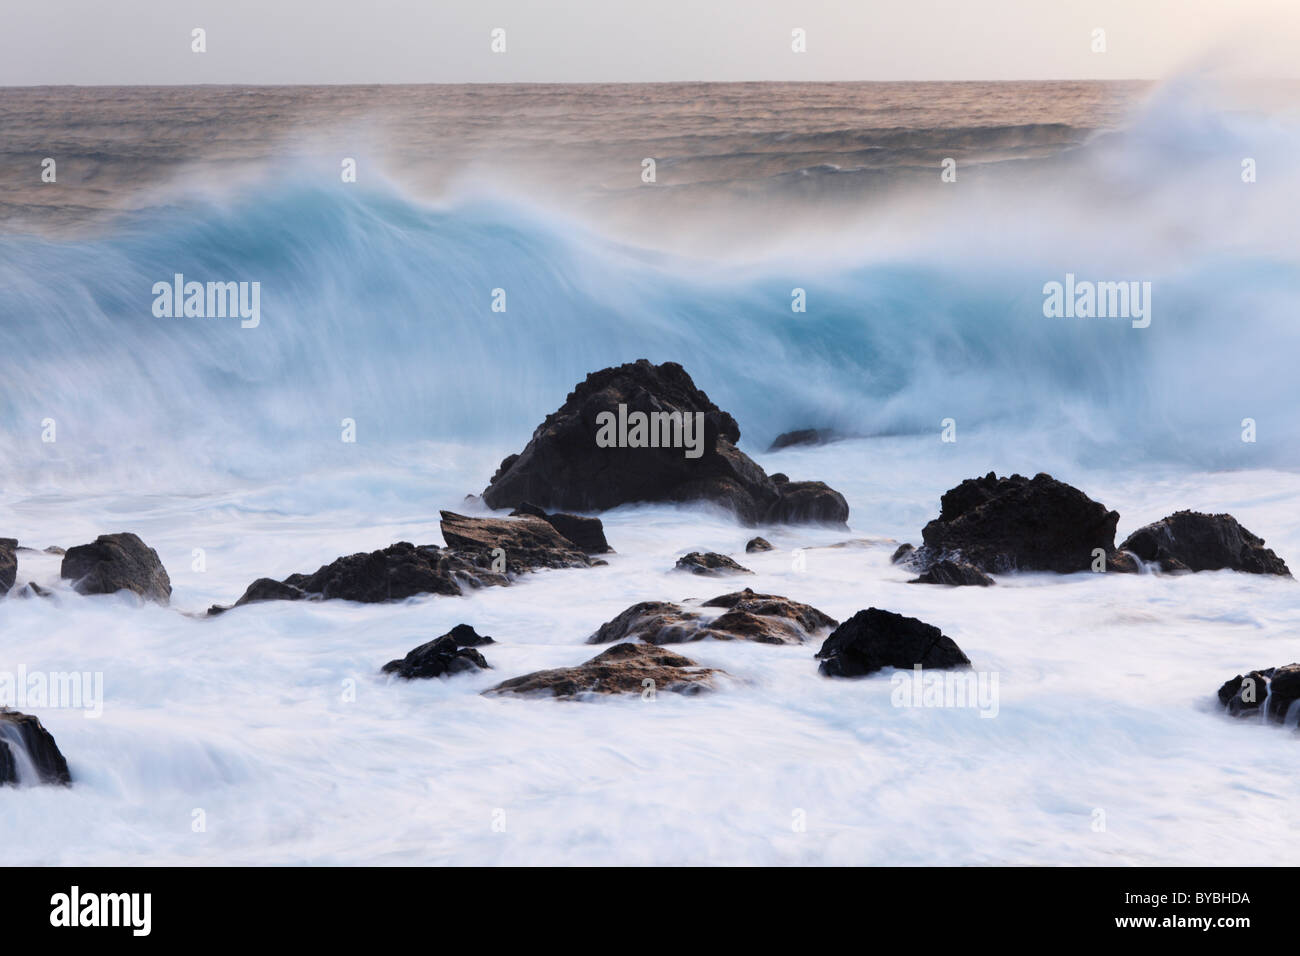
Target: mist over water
924 299
924 302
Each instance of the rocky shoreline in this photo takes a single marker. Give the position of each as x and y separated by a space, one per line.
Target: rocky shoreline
986 526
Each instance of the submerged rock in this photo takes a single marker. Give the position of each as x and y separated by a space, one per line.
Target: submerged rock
1021 524
802 436
623 669
903 554
764 618
1274 690
449 654
710 563
874 639
955 573
1192 541
117 562
755 545
563 467
587 533
8 564
26 747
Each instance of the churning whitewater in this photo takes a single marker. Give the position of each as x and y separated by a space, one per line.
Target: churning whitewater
269 734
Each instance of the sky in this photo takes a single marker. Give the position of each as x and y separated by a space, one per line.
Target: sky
449 41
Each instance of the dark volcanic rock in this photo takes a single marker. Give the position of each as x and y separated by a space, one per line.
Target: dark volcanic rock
397 572
655 622
764 618
587 533
802 436
754 545
623 669
8 564
563 467
23 739
117 562
403 570
710 563
1018 523
1189 540
528 542
809 502
1276 689
956 573
903 554
450 654
874 639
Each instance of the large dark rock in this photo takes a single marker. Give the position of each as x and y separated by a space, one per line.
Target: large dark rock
763 618
27 747
8 564
563 467
450 654
1020 524
874 639
117 562
710 563
1189 540
1275 689
755 545
528 542
808 502
586 532
955 573
623 669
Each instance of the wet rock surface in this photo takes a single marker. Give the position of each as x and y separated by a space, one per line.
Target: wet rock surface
874 639
764 618
452 653
564 467
1192 541
117 562
622 669
26 747
709 563
1272 692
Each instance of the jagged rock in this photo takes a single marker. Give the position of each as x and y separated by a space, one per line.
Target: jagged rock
1017 523
802 436
623 669
874 639
400 571
754 545
587 533
27 747
710 563
764 618
528 542
8 564
117 562
1276 689
1192 541
563 467
449 654
955 573
404 570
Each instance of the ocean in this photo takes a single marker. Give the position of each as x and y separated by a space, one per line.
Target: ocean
923 302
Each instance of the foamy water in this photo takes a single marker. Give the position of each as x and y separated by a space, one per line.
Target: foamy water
923 305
